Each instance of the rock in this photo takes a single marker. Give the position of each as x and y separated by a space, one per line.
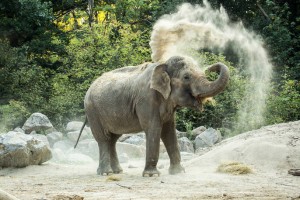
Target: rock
78 158
133 151
64 145
20 150
37 122
70 157
185 145
181 134
89 147
123 158
132 166
6 196
207 138
162 148
198 131
74 126
142 135
73 136
185 156
135 139
18 129
42 138
126 136
54 137
161 166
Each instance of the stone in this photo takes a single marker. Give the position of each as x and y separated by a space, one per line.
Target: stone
73 136
70 157
123 158
207 138
20 150
135 139
181 134
64 145
185 156
185 145
74 126
37 122
132 166
18 129
78 158
161 166
42 138
197 131
133 151
89 147
162 148
54 137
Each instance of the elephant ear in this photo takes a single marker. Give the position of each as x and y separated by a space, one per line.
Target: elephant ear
160 80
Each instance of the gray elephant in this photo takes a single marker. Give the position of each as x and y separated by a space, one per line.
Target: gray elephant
145 97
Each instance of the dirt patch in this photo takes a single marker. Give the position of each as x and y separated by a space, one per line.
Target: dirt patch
268 151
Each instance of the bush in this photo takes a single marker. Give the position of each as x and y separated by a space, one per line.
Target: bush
12 115
284 102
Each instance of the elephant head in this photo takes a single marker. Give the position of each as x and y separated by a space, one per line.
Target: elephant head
181 81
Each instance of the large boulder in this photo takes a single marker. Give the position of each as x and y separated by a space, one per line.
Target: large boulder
133 151
20 150
64 145
180 134
197 131
72 156
135 139
37 122
207 138
74 126
40 137
73 129
73 135
89 147
54 137
185 145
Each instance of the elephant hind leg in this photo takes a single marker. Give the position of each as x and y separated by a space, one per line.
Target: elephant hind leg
103 139
104 167
114 161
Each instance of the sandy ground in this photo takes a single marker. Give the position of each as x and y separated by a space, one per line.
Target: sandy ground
269 151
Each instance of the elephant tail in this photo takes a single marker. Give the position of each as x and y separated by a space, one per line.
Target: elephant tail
85 121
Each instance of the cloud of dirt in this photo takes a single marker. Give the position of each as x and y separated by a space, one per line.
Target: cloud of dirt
195 27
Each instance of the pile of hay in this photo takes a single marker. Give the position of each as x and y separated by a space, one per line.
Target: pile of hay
234 167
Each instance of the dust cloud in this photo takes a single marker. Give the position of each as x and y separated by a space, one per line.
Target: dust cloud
194 28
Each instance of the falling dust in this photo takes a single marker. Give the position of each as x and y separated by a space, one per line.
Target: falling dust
203 28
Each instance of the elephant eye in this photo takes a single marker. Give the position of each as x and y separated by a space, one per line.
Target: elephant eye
186 77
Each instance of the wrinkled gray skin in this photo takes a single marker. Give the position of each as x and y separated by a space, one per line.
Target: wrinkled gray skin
145 97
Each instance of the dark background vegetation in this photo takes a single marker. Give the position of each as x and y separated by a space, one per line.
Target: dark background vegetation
51 51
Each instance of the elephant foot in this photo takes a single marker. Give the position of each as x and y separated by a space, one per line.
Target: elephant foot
151 172
117 170
104 171
176 169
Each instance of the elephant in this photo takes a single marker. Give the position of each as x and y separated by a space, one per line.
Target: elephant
145 98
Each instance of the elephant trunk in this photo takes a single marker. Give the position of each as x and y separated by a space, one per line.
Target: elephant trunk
210 88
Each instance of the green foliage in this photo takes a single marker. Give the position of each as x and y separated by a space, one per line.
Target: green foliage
12 115
284 102
22 20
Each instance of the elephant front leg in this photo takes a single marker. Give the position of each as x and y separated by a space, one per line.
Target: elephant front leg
169 138
152 152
